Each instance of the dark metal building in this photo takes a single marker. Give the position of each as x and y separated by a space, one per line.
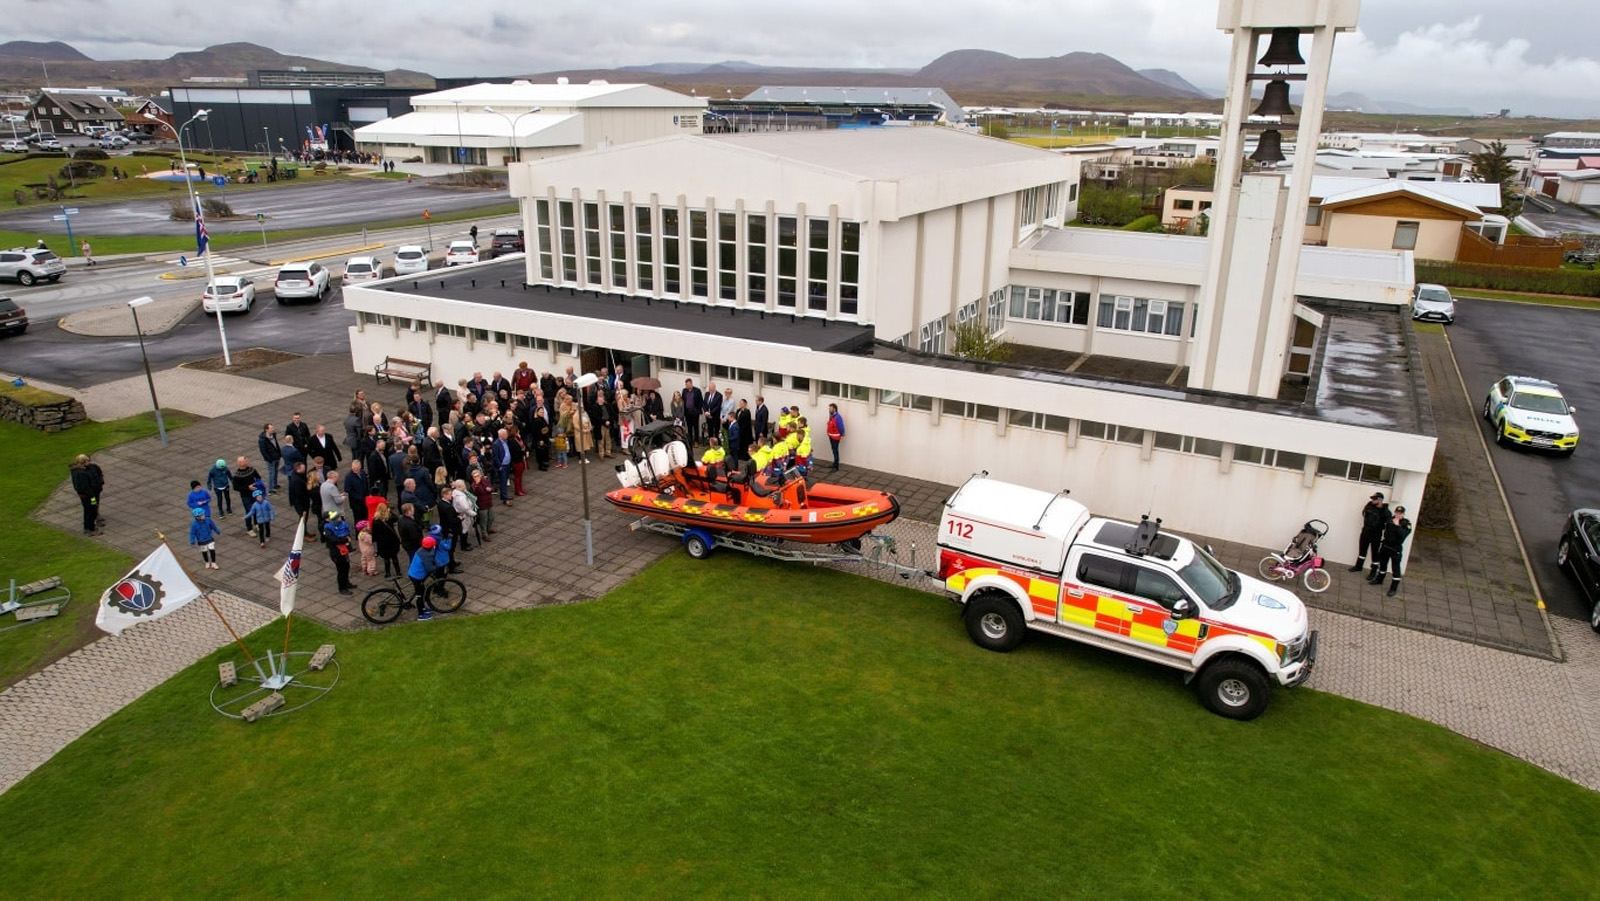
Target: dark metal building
256 120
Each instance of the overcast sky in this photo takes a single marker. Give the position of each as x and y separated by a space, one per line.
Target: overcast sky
1480 55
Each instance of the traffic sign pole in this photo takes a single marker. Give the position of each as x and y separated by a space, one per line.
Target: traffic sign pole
66 216
261 221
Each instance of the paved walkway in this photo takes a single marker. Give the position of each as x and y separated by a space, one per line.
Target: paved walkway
47 711
1523 702
192 391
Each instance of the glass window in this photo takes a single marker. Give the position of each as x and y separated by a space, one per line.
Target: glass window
1088 428
952 407
619 245
1155 586
591 241
772 379
644 274
829 389
698 254
1405 235
1103 572
800 383
542 234
817 268
788 264
670 272
756 265
569 241
849 268
728 255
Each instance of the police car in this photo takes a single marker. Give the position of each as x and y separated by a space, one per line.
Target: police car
1021 560
1529 412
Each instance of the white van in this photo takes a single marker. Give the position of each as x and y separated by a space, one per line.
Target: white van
97 131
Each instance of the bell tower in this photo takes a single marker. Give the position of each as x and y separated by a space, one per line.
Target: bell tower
1246 312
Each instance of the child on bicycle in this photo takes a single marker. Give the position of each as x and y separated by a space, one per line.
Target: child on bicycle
422 568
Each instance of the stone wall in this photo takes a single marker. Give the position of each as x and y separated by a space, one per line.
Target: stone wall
45 411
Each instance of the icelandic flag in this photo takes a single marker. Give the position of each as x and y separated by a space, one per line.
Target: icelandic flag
289 576
310 136
202 238
155 588
326 131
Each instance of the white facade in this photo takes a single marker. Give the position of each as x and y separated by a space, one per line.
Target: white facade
947 228
491 124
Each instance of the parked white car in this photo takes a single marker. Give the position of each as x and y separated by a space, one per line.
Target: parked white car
410 259
229 294
302 281
10 146
461 252
362 269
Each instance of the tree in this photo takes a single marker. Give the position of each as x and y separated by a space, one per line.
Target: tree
1110 206
973 340
1493 166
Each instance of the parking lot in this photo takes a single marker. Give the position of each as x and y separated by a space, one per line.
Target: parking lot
1492 339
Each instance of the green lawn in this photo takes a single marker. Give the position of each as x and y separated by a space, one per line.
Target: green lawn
24 173
742 727
35 464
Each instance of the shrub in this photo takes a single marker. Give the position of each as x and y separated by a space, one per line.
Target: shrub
182 209
1440 499
973 340
82 170
1570 282
90 153
216 209
1150 223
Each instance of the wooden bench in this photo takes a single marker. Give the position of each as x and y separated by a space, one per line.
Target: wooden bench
393 367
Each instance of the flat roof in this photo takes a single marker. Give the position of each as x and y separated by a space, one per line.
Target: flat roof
1366 373
483 284
886 154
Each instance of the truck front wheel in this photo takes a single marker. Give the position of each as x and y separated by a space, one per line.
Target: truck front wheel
994 622
1235 688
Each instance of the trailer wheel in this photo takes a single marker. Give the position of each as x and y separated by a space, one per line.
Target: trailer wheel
994 622
696 546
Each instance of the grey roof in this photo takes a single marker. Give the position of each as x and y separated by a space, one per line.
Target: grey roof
483 284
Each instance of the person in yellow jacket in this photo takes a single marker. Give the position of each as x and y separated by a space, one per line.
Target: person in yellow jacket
761 456
715 455
802 453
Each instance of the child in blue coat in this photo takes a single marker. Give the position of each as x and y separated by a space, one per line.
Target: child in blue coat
220 481
262 514
198 497
203 534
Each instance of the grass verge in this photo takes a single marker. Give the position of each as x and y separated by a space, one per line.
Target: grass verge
36 463
746 727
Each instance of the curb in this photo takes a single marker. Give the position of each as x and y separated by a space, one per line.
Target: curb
346 251
1522 548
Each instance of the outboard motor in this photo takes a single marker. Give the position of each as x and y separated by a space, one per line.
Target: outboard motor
628 474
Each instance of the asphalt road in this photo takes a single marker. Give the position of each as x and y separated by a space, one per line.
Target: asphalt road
304 204
1493 339
49 354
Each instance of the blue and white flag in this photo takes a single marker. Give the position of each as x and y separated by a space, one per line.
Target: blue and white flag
289 576
202 238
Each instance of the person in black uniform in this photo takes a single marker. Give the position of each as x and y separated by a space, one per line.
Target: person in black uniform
1390 549
1373 516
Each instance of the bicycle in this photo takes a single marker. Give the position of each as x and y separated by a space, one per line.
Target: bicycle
1300 560
440 592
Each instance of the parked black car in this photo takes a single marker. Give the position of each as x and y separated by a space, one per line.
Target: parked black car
1579 553
13 320
506 240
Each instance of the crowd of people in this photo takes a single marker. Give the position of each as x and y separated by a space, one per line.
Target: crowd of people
410 487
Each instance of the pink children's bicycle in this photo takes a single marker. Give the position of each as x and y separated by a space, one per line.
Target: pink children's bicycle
1300 560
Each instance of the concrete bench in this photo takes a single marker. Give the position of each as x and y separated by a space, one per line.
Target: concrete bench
395 368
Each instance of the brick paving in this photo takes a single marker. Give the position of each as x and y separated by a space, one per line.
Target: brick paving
47 711
1525 702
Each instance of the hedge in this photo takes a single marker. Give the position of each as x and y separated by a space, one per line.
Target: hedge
1509 278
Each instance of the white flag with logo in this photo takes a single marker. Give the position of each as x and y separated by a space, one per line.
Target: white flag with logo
155 588
289 576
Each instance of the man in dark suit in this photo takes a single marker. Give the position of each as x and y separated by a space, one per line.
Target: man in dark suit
298 432
761 418
377 469
443 400
746 430
714 411
323 445
694 406
356 487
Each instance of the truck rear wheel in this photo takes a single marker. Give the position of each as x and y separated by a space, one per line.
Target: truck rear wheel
994 622
1235 688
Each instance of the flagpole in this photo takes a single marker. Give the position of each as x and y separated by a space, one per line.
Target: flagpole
207 595
288 618
287 622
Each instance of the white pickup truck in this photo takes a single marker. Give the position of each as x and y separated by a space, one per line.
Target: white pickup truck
1020 559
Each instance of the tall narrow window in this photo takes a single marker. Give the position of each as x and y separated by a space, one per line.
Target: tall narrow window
756 272
619 246
543 234
728 255
670 280
788 236
591 241
849 268
817 270
569 241
644 272
697 253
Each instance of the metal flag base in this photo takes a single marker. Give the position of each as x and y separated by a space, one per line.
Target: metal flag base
278 684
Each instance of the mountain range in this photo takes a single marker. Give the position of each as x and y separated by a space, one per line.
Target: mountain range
972 76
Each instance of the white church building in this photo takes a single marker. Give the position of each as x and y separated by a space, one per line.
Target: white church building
1235 385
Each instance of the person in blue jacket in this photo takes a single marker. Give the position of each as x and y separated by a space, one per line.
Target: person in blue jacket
220 481
203 534
262 514
423 563
198 497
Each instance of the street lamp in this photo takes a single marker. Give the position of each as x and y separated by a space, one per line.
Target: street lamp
134 305
582 382
461 144
202 240
513 123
